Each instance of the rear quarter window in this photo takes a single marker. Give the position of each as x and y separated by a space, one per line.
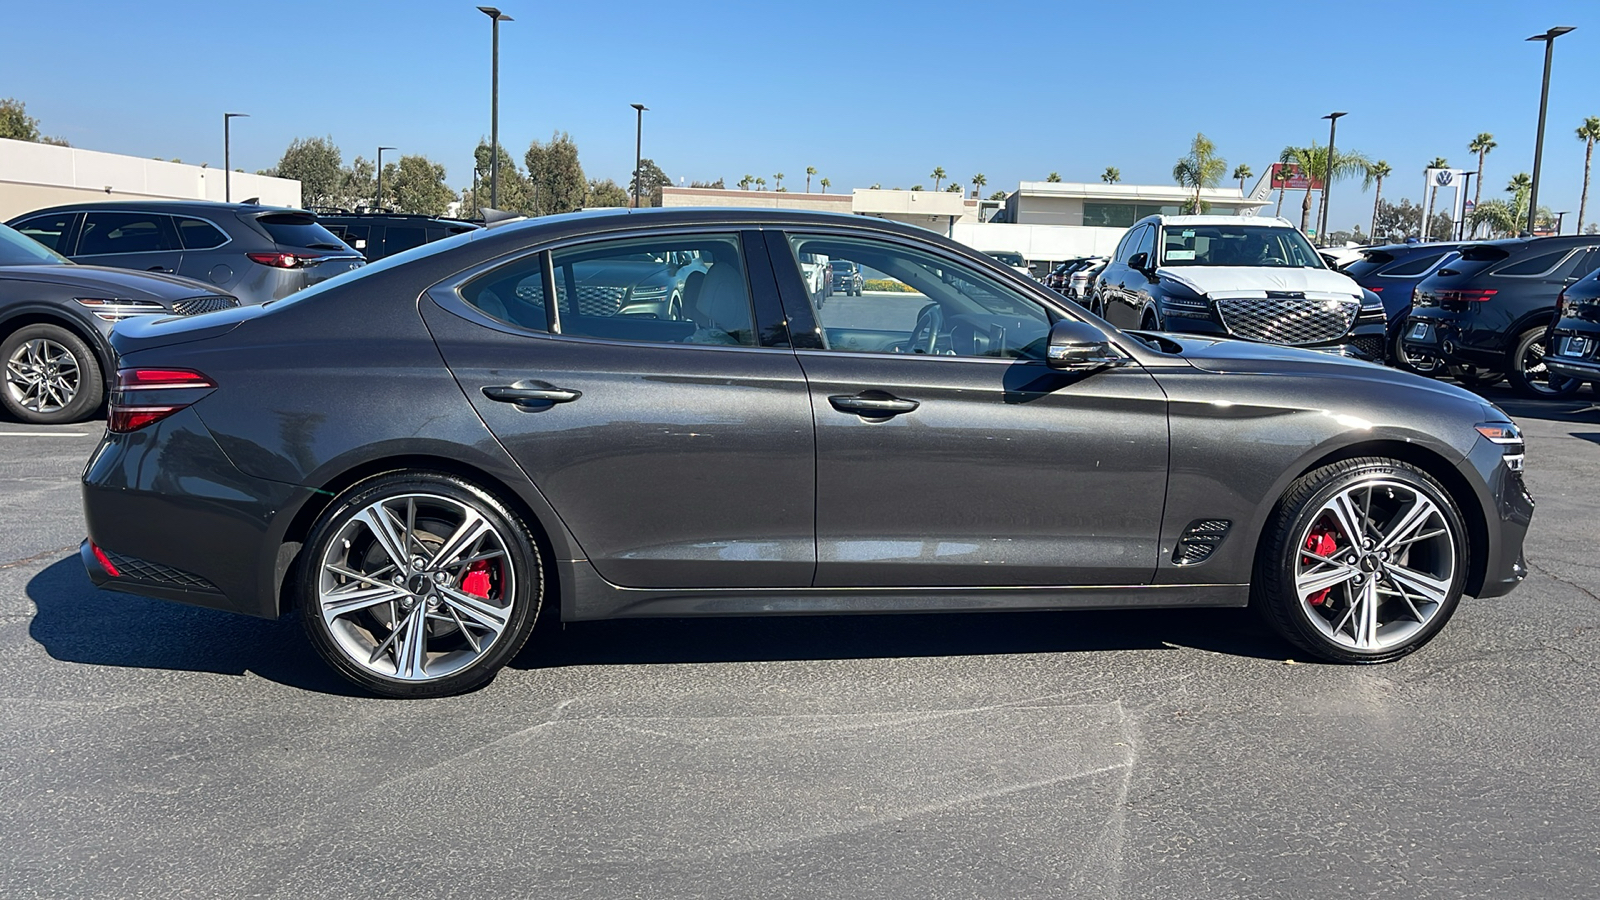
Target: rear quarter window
1537 264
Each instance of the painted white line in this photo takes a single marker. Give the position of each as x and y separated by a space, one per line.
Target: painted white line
45 434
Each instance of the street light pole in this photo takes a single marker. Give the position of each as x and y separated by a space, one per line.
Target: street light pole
1549 38
377 205
638 148
1327 175
1561 219
1466 186
227 155
496 16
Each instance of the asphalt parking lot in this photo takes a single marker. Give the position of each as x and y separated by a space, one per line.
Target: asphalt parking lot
155 750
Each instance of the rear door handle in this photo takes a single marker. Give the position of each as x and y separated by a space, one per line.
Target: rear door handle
159 269
873 404
530 392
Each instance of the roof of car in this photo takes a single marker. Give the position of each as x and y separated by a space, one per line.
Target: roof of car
167 206
618 219
1268 221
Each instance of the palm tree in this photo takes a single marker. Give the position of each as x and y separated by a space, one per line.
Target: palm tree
810 171
1588 132
761 184
777 181
1282 175
1509 217
1481 145
745 182
1054 178
1201 169
1315 165
1241 172
1111 175
825 182
978 181
1379 171
938 175
1519 182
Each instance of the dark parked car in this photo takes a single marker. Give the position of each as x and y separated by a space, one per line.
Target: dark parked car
1393 271
1234 276
255 253
1059 277
55 318
847 278
380 234
1487 310
418 455
1573 347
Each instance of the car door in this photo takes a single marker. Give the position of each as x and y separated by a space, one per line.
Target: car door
129 240
678 450
1121 310
948 452
199 236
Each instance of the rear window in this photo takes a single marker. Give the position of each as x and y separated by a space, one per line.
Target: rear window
1483 253
299 230
1416 266
1369 262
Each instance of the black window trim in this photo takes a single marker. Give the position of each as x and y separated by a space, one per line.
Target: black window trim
226 237
1516 261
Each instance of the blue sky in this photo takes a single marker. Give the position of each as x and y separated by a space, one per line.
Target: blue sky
866 92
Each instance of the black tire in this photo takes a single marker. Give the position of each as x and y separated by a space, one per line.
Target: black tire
1527 372
1149 322
338 646
1273 589
85 398
1410 362
1475 376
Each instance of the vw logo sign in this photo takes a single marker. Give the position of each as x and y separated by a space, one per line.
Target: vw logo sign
1443 177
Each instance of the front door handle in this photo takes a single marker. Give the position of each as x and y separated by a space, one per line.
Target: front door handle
530 392
873 404
159 269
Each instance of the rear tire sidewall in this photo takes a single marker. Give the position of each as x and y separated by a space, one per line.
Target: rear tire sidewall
1554 387
1402 362
523 555
91 378
1273 589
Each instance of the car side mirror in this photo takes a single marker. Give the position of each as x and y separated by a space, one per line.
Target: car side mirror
1140 261
1080 347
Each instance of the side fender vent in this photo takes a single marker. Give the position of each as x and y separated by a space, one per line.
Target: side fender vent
1199 541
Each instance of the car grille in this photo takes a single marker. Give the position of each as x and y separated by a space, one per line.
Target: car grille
594 299
1287 320
194 306
155 573
1372 346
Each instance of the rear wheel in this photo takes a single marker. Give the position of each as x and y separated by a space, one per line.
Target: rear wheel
1528 373
1475 376
1411 361
418 584
1364 562
52 377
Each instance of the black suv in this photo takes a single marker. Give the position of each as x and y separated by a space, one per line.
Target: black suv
1574 345
847 278
1485 313
380 234
1393 272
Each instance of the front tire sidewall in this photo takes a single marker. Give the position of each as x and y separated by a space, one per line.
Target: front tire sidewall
1553 387
1273 591
91 378
523 556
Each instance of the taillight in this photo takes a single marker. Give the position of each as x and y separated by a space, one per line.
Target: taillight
138 399
1376 290
1467 296
282 260
105 562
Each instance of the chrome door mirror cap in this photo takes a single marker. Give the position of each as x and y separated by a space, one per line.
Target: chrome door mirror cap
1080 347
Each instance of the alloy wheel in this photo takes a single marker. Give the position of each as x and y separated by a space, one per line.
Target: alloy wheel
43 376
1375 566
1533 376
416 587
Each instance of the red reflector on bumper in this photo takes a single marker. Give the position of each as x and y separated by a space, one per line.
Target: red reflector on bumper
105 563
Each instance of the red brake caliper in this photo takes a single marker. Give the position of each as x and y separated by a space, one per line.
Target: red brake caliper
476 581
1320 542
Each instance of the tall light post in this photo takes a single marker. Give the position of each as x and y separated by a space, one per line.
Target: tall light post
1549 38
377 204
227 154
1466 186
1561 218
638 148
495 16
1327 175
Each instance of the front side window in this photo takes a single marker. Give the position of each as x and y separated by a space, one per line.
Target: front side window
47 230
126 232
688 289
1145 242
914 302
1237 245
400 238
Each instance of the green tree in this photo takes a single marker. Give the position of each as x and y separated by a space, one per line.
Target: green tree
556 176
1379 171
417 185
1111 175
1281 176
1241 172
358 183
952 188
1480 145
606 193
651 181
1588 132
998 195
916 187
810 171
777 182
978 181
17 125
824 182
1053 178
1201 169
516 194
1315 164
714 185
1509 217
938 175
745 182
318 165
761 183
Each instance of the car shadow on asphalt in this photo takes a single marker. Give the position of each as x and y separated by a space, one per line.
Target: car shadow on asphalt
1579 409
79 623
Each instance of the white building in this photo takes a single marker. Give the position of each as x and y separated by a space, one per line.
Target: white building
34 176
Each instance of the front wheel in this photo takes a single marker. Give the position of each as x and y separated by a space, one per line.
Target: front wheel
419 584
52 377
1528 373
1364 562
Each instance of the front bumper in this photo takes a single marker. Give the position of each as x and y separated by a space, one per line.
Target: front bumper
1565 359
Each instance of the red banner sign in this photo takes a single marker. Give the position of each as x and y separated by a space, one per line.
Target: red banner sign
1289 177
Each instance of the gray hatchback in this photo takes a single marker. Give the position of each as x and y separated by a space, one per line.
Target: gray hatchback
256 253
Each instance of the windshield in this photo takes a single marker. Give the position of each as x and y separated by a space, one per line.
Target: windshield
1237 245
1010 259
17 249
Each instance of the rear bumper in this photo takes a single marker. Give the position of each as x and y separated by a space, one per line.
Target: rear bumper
1446 340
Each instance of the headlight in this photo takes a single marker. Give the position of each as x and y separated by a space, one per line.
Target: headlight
1509 437
117 310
